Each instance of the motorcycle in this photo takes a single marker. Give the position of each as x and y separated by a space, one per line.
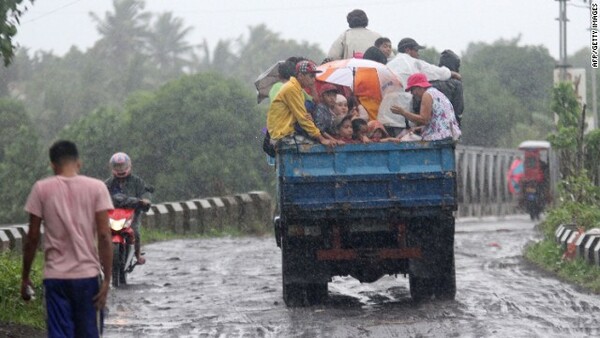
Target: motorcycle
123 236
123 240
535 188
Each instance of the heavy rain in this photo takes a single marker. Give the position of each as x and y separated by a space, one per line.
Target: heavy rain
464 205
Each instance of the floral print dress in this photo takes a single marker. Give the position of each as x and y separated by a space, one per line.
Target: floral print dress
443 122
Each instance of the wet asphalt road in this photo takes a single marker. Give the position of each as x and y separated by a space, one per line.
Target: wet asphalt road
231 287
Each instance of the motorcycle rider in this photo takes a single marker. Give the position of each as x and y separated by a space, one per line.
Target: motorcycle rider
129 191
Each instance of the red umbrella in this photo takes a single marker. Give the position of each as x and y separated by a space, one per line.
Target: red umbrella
514 175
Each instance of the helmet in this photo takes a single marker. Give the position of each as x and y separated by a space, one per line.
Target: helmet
120 164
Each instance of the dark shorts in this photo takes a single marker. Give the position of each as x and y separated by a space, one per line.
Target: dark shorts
70 307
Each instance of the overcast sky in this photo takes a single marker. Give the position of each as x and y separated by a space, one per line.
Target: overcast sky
56 25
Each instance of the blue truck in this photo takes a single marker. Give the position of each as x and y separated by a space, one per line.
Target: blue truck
366 210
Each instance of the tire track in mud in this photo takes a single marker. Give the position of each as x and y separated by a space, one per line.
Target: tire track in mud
231 287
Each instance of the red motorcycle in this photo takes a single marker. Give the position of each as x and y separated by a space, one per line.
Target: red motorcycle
535 183
123 240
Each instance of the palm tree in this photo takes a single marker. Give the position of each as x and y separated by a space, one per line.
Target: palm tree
123 31
121 46
167 47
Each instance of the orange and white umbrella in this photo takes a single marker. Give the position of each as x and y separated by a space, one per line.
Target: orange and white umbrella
365 77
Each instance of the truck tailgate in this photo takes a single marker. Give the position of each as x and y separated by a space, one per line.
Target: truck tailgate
366 180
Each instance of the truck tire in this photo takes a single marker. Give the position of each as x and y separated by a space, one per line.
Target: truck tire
434 274
445 288
294 294
420 288
316 293
115 265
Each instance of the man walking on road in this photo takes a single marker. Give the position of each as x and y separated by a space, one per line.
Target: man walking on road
77 245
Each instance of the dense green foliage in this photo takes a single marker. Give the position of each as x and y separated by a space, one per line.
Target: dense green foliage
12 308
196 136
137 51
507 89
578 197
10 14
20 161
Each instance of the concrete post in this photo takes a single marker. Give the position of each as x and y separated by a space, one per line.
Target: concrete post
596 254
588 250
564 238
16 240
175 216
233 209
580 244
222 219
4 241
163 216
149 219
191 221
264 206
206 214
248 212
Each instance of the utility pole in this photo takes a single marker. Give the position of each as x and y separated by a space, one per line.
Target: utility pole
562 30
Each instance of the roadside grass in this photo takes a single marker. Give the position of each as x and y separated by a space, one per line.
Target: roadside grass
547 254
158 235
12 308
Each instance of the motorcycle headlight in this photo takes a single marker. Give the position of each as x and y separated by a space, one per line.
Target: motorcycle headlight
117 224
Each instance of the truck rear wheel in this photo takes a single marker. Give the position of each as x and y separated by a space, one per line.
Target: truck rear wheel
446 283
421 288
434 273
294 294
297 290
316 293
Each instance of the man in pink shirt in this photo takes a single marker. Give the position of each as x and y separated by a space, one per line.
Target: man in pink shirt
77 245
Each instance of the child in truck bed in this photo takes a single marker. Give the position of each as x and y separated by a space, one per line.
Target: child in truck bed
360 130
377 133
343 129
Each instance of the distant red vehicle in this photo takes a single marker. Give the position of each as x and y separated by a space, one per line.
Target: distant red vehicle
535 187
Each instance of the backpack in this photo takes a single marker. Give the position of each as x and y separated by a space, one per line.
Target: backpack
268 148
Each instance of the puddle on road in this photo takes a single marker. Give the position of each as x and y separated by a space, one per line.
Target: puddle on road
230 287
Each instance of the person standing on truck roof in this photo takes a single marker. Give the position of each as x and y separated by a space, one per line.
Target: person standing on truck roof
354 41
436 114
288 110
405 64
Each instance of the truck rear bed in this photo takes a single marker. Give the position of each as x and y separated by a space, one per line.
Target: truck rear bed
366 180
